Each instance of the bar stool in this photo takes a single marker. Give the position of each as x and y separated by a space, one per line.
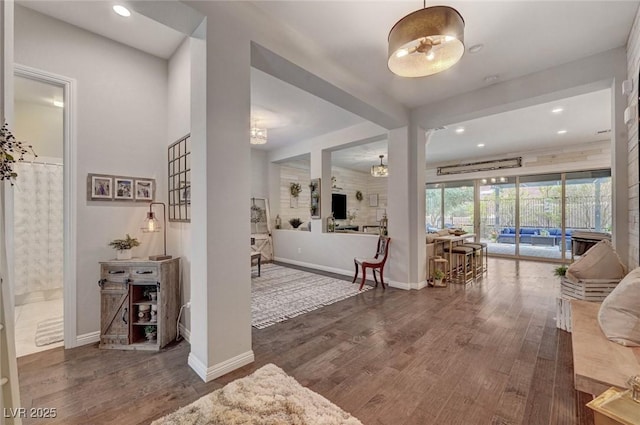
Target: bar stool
479 266
461 258
437 263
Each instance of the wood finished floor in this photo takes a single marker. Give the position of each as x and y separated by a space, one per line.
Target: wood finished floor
487 353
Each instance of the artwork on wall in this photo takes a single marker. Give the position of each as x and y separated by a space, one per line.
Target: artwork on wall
314 186
373 200
180 180
100 187
144 190
103 187
123 188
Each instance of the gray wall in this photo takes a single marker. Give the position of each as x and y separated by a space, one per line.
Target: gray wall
121 130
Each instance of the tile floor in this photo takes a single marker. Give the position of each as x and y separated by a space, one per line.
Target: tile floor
27 318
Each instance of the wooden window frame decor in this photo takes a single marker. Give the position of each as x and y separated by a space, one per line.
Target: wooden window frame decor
93 180
314 207
179 171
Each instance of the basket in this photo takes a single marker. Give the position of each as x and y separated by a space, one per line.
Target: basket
587 289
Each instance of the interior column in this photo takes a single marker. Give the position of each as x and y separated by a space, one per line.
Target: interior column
406 207
221 164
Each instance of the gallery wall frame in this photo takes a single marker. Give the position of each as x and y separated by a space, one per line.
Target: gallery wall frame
108 187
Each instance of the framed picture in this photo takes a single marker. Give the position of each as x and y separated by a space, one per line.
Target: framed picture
144 190
123 188
373 200
380 212
101 187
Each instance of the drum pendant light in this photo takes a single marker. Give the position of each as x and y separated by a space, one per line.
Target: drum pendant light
425 42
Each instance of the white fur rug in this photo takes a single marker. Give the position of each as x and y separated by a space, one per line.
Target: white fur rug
267 397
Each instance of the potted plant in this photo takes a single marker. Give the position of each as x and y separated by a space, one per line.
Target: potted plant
150 332
560 271
438 275
123 247
11 150
295 222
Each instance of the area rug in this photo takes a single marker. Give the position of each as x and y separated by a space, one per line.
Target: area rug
267 397
49 331
281 293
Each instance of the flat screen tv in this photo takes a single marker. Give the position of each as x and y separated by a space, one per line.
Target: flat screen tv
339 206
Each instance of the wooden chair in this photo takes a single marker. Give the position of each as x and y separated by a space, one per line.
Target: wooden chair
375 263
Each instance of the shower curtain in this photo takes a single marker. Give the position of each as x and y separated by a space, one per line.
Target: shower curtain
38 232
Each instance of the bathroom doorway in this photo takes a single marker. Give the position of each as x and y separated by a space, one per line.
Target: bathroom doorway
38 216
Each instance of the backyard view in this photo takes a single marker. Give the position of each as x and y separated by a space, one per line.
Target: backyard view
537 230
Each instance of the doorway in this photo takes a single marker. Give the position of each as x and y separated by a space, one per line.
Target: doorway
40 231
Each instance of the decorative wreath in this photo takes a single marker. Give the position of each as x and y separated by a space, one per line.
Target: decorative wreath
359 196
295 189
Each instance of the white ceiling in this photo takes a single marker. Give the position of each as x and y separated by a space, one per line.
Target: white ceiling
520 37
98 17
292 115
526 129
361 157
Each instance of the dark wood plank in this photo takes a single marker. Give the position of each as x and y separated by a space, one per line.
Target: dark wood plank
484 353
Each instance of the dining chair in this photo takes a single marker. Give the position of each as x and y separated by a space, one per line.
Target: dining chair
375 263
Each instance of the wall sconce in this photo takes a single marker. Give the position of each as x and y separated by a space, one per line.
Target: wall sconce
151 225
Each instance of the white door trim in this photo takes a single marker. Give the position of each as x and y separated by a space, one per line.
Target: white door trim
70 193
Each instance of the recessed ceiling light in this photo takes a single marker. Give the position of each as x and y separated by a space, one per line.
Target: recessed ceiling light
121 10
58 103
460 130
480 145
475 48
562 131
491 78
557 110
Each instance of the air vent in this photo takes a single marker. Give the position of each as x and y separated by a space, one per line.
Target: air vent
444 127
603 131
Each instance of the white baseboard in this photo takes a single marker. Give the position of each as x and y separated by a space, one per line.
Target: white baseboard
315 266
210 373
407 286
185 333
88 338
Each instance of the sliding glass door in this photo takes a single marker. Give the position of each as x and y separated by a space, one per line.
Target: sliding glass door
524 216
587 203
498 215
541 216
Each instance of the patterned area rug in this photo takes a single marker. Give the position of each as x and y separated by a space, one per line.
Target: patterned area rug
281 293
49 331
267 397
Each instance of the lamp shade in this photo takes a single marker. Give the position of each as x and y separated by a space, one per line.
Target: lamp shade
426 42
258 135
380 170
151 223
